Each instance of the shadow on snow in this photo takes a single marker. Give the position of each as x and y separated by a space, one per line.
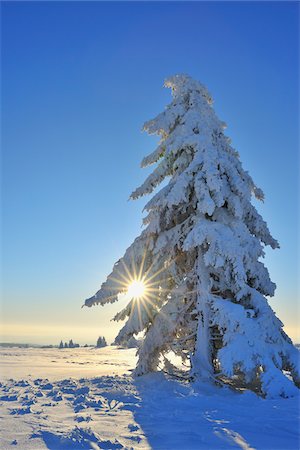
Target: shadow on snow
174 415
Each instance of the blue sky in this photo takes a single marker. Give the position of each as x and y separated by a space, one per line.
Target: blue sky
78 81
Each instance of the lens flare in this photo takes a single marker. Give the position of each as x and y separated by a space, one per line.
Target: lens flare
136 289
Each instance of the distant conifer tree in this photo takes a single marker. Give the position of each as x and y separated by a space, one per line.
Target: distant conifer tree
101 342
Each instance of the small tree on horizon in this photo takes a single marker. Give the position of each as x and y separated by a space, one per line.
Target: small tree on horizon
200 256
61 345
101 342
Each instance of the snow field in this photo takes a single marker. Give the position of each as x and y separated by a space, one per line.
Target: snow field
76 409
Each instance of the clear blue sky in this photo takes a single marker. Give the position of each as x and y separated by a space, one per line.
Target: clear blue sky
78 81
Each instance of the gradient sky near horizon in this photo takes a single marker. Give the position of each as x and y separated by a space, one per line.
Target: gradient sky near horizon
78 81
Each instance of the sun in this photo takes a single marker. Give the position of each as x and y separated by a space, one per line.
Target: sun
136 289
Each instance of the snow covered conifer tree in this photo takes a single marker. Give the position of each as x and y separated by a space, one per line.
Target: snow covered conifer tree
198 259
101 342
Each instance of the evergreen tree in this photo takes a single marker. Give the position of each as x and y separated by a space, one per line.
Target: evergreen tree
66 345
101 342
199 256
71 344
61 345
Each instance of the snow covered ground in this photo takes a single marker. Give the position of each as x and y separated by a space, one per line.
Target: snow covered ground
57 364
86 399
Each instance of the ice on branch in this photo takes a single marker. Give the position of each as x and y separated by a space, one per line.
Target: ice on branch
200 257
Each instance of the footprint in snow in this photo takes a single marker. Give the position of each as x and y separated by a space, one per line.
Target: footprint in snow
133 427
83 419
9 398
21 383
47 386
78 438
39 394
21 411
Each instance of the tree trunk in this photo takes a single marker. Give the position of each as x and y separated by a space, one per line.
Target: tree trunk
201 361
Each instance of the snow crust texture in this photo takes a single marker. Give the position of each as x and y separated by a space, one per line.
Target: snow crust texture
201 255
122 412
